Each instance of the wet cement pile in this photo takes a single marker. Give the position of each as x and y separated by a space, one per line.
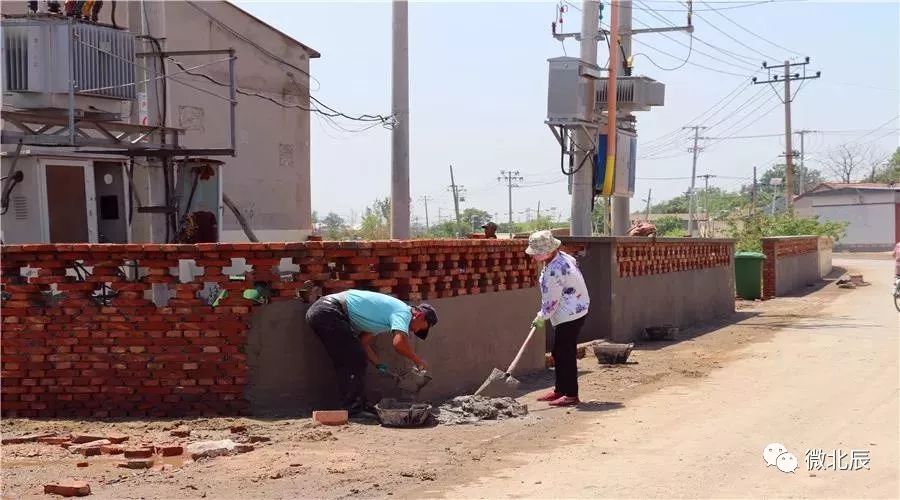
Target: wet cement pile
471 409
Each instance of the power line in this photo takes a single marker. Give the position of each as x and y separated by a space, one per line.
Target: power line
732 21
713 26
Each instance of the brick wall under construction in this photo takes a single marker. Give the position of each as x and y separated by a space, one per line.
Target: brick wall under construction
105 331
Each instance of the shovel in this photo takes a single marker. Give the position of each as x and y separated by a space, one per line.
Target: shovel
501 384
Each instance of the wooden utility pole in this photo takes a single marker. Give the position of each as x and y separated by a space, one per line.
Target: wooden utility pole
788 97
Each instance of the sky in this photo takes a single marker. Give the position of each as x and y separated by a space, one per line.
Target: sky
478 94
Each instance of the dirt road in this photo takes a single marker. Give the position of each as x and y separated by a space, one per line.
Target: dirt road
685 418
822 382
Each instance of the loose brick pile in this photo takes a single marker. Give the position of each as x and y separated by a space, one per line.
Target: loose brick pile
76 357
782 247
642 258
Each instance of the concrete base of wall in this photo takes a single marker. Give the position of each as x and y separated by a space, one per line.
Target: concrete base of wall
680 299
861 247
290 370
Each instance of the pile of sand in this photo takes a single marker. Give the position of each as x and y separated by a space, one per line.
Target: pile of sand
470 409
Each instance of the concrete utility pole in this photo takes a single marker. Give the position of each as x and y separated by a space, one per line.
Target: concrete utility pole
649 194
788 135
583 179
512 178
455 190
802 134
692 199
400 199
425 200
753 194
787 77
621 204
706 198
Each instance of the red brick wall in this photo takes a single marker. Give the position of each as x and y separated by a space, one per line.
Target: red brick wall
80 358
781 247
642 258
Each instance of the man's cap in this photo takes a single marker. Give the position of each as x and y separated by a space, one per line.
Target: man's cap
430 317
489 224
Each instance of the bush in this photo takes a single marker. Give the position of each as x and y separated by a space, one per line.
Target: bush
749 230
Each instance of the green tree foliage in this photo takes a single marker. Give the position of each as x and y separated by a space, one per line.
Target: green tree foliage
748 230
670 226
333 227
810 177
889 172
376 221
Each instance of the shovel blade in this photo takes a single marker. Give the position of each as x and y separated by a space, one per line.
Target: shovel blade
499 384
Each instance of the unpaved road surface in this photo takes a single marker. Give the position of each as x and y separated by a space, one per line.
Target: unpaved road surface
824 381
682 419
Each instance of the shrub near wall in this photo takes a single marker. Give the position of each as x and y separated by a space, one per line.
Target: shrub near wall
99 346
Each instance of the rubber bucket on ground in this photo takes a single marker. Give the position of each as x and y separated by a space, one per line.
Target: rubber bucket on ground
748 269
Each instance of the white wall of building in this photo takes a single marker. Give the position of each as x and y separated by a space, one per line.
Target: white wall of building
869 214
269 179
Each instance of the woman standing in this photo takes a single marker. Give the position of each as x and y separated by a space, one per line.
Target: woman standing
564 301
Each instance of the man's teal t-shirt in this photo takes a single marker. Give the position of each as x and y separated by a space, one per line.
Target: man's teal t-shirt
376 312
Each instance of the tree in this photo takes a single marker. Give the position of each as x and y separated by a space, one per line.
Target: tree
334 227
889 172
375 223
749 230
670 226
809 177
848 161
473 218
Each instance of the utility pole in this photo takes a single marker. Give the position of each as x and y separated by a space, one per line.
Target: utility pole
692 200
649 194
787 77
539 210
583 179
455 190
753 194
621 209
512 178
802 134
425 200
706 197
400 199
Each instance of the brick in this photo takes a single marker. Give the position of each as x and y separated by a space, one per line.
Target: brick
330 417
143 452
81 437
169 450
68 489
112 449
116 438
138 463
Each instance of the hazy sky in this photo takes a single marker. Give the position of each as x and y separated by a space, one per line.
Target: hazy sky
478 91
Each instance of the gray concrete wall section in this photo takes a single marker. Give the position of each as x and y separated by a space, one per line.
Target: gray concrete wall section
596 264
826 249
796 272
290 370
680 299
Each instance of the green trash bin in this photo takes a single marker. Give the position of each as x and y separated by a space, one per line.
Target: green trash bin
748 268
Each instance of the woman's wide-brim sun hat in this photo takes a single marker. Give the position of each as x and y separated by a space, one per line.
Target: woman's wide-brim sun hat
541 243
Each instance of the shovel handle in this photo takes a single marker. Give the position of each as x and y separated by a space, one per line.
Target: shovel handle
515 361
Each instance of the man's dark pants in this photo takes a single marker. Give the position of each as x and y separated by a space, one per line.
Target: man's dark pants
330 322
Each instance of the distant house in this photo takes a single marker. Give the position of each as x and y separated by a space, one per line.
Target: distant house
871 211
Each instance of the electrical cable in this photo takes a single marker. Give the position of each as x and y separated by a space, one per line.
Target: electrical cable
732 21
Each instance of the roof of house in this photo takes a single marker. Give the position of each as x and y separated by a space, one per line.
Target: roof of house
311 52
831 187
